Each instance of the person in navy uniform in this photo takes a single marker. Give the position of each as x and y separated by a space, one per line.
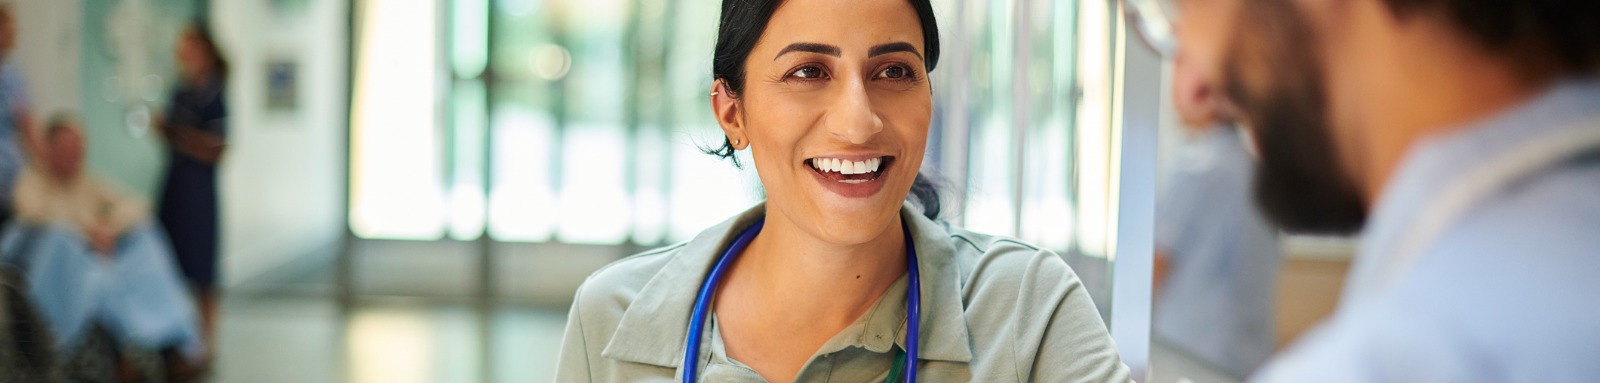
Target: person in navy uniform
194 129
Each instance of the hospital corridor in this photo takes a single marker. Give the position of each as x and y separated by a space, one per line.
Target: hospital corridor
496 191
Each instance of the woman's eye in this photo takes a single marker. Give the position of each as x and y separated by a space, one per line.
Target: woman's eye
809 73
894 72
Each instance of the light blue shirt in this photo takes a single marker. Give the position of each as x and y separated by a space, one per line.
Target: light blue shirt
13 99
1216 299
1481 261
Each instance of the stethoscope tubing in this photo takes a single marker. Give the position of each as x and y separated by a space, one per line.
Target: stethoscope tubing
691 353
913 310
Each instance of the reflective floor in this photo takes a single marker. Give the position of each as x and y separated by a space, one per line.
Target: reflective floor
1170 364
296 329
312 339
415 315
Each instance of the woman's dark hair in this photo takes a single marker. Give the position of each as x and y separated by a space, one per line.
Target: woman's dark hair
743 22
219 64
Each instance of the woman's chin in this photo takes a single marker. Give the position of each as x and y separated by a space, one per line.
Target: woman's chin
854 228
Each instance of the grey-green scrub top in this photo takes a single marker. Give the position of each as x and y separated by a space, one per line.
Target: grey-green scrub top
993 310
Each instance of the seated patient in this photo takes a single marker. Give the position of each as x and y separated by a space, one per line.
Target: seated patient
837 277
91 255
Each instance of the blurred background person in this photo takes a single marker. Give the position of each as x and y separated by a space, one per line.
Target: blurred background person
1464 136
194 129
1217 257
93 258
16 120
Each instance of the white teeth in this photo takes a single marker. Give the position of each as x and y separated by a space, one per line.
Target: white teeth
847 167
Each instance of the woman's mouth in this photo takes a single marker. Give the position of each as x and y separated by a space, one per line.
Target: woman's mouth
851 177
847 171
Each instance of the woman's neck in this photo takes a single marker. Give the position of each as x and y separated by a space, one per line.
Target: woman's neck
830 283
789 292
200 79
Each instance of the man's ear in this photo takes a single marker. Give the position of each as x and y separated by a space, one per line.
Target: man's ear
728 110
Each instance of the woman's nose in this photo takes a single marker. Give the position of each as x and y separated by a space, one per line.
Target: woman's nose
851 117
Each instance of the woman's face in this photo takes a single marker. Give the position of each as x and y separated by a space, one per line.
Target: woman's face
192 60
835 111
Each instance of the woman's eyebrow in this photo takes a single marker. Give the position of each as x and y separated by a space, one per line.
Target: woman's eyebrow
884 49
809 47
877 50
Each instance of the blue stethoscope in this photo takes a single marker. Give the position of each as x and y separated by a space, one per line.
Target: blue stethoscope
906 362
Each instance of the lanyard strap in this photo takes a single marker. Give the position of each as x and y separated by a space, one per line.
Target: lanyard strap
898 368
1404 248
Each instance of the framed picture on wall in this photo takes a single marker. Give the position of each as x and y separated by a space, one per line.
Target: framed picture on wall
283 89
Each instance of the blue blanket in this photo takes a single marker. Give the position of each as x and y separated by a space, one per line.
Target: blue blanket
136 294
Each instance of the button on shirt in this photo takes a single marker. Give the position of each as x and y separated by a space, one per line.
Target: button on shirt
1481 261
993 310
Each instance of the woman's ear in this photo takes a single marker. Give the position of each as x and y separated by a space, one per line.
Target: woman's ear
727 110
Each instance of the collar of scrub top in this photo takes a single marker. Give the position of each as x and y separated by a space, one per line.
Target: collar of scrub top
670 292
905 365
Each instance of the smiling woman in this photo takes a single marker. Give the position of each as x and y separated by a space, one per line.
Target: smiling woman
836 277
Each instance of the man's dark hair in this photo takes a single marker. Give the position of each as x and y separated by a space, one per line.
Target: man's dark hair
1563 35
59 123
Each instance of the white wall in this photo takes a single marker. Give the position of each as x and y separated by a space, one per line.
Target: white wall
282 182
49 49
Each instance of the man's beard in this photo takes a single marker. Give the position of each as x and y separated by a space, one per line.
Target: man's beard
1300 183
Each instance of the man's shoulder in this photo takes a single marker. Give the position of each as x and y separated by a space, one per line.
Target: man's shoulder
1536 240
1554 211
31 181
1510 279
